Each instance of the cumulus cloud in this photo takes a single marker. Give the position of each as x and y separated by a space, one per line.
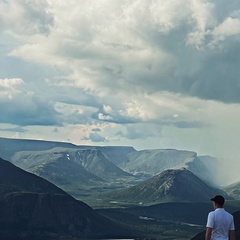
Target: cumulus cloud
117 52
131 69
95 137
26 18
229 28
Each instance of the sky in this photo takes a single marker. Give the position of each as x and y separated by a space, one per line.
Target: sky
144 73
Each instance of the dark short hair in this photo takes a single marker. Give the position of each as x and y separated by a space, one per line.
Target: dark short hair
218 199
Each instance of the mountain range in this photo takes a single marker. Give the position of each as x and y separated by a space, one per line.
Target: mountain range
172 185
77 171
33 208
154 161
84 170
51 176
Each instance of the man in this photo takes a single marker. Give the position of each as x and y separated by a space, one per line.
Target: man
220 223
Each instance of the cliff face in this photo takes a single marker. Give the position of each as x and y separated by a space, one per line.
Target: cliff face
60 214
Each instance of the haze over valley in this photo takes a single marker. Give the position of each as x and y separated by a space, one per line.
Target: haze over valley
82 169
105 179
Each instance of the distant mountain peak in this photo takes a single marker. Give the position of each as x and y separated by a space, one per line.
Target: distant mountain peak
172 185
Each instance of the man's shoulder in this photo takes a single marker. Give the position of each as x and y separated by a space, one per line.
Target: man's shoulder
226 213
210 214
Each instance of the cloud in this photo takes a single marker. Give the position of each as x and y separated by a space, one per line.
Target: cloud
135 70
95 137
118 52
26 18
22 107
15 129
229 28
138 131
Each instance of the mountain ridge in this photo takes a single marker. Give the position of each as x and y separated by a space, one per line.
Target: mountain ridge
172 185
105 168
32 207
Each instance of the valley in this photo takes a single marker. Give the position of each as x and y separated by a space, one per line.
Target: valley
148 194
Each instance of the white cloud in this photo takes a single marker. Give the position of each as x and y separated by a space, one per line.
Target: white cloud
142 72
90 42
107 108
230 27
9 82
101 116
24 17
107 44
9 87
134 109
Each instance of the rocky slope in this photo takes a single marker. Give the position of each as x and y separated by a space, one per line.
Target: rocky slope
233 190
33 208
74 170
82 170
152 162
173 185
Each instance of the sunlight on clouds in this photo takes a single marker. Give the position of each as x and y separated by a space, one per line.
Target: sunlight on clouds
166 14
230 27
101 116
40 53
164 107
9 88
9 82
107 108
85 134
69 109
136 110
107 44
202 14
203 19
75 114
141 72
24 18
110 38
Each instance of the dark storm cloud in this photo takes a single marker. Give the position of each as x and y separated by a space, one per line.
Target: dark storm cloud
210 73
25 111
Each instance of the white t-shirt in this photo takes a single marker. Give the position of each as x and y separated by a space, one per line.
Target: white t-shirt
221 222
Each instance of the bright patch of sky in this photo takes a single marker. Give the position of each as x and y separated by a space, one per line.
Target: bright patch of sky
144 73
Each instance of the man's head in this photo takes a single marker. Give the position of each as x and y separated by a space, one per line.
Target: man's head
218 200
